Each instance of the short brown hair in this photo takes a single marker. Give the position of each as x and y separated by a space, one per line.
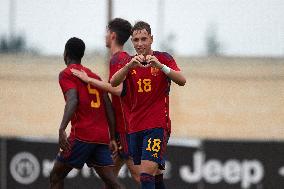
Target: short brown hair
140 25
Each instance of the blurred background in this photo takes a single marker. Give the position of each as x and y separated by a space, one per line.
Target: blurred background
231 52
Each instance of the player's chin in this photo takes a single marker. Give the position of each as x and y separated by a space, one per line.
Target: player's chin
140 51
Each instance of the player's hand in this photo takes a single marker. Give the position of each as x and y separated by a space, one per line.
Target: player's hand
153 62
119 147
80 74
136 61
63 142
113 148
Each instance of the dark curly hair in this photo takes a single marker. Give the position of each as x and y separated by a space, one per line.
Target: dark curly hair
75 48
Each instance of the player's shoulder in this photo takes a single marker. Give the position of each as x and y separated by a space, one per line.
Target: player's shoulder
119 57
87 70
163 55
91 73
65 73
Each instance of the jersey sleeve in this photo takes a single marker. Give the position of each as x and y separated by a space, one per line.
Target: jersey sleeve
66 82
170 62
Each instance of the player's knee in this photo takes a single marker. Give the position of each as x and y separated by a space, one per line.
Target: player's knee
148 167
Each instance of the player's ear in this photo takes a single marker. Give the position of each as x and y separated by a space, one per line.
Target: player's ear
151 39
113 35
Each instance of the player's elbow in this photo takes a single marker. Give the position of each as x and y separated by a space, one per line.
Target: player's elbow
182 82
177 77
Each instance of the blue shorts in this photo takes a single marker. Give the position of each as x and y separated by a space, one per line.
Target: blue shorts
149 145
82 152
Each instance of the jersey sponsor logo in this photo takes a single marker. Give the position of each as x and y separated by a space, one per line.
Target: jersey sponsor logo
232 171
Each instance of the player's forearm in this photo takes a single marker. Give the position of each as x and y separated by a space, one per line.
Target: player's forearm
177 77
105 86
110 116
119 76
70 107
69 110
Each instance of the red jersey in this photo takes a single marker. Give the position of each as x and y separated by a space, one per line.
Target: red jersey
89 122
120 104
150 89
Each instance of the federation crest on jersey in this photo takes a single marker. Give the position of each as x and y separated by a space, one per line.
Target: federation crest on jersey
154 71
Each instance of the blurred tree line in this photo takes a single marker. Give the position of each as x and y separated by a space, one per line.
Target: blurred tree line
15 44
212 42
214 47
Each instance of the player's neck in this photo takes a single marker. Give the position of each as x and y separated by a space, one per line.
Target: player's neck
115 48
73 62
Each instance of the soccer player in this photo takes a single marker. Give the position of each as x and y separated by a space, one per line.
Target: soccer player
92 120
118 32
149 75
